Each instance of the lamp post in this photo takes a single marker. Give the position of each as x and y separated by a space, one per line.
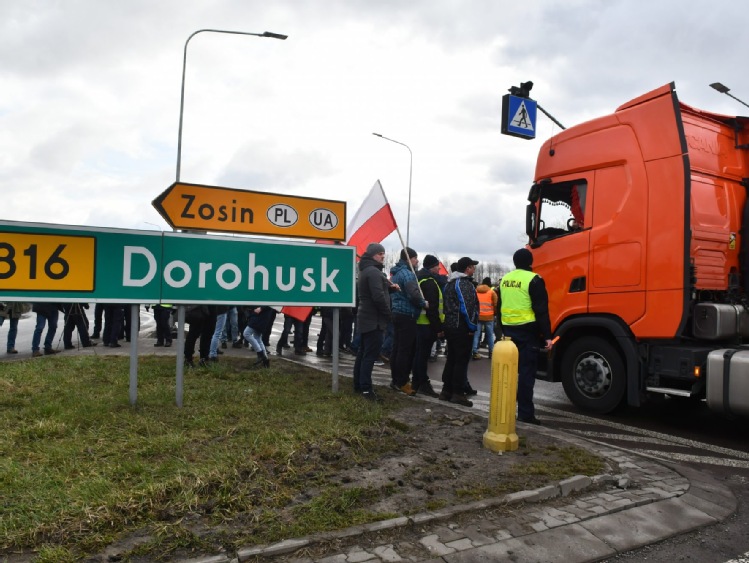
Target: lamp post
410 175
724 90
184 66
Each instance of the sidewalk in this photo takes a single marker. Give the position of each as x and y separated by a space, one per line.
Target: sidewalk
576 520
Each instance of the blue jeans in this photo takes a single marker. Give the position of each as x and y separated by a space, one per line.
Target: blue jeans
255 338
220 323
42 320
12 331
231 327
488 327
369 350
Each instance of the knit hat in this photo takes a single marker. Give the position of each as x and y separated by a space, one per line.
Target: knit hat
411 253
374 248
486 281
464 262
430 261
523 259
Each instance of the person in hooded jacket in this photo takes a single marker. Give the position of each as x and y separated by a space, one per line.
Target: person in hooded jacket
406 305
372 316
524 314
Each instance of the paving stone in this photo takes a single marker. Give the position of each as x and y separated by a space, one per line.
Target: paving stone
460 545
387 553
435 546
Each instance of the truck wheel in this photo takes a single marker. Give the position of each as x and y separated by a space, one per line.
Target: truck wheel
593 375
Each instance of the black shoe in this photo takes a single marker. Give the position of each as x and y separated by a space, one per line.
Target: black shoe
50 351
223 344
115 345
470 391
220 351
158 344
427 389
393 386
300 352
236 344
90 344
204 362
371 396
444 396
96 336
71 347
167 343
531 420
189 364
460 399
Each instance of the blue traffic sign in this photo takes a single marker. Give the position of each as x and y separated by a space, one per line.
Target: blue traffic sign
519 116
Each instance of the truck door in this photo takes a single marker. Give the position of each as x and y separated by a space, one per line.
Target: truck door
560 238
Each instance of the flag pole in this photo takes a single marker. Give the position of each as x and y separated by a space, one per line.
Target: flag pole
403 244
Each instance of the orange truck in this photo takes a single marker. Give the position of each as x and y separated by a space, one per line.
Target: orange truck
637 222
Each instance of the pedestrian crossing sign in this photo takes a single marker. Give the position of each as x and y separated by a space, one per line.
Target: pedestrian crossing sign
519 116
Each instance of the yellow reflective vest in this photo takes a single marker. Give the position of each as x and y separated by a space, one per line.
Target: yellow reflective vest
423 319
517 308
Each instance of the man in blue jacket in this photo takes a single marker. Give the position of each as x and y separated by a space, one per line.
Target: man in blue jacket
406 306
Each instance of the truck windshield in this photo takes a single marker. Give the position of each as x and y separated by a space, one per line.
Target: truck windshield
561 208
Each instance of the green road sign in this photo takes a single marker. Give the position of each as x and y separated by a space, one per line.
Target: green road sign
64 263
209 269
90 264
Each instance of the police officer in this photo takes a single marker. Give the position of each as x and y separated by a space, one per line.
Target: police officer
524 314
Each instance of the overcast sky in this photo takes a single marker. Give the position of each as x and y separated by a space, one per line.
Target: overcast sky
90 97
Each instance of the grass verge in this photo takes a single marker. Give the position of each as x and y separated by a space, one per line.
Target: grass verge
81 469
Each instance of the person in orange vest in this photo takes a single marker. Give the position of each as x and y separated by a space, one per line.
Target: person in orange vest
487 310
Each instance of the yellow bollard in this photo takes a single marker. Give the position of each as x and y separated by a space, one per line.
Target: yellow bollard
500 435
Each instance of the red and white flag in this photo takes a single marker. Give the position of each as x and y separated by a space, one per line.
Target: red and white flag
373 222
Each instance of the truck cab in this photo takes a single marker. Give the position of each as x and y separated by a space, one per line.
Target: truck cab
636 222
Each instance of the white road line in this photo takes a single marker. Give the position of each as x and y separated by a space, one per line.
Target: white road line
648 433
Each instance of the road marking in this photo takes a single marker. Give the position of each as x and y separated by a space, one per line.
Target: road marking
651 435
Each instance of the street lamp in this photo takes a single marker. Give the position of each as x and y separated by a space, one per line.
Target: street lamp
184 66
724 90
410 174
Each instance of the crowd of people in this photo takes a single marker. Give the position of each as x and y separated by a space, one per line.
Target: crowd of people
402 318
424 307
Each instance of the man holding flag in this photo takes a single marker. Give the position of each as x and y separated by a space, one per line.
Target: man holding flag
372 316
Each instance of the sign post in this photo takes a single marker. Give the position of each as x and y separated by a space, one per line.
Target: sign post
69 264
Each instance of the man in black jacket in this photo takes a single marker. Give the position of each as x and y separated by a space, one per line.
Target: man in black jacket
373 314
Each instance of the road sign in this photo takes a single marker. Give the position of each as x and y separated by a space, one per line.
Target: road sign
210 208
231 270
63 263
519 116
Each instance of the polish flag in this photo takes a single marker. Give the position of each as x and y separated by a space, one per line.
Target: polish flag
373 222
